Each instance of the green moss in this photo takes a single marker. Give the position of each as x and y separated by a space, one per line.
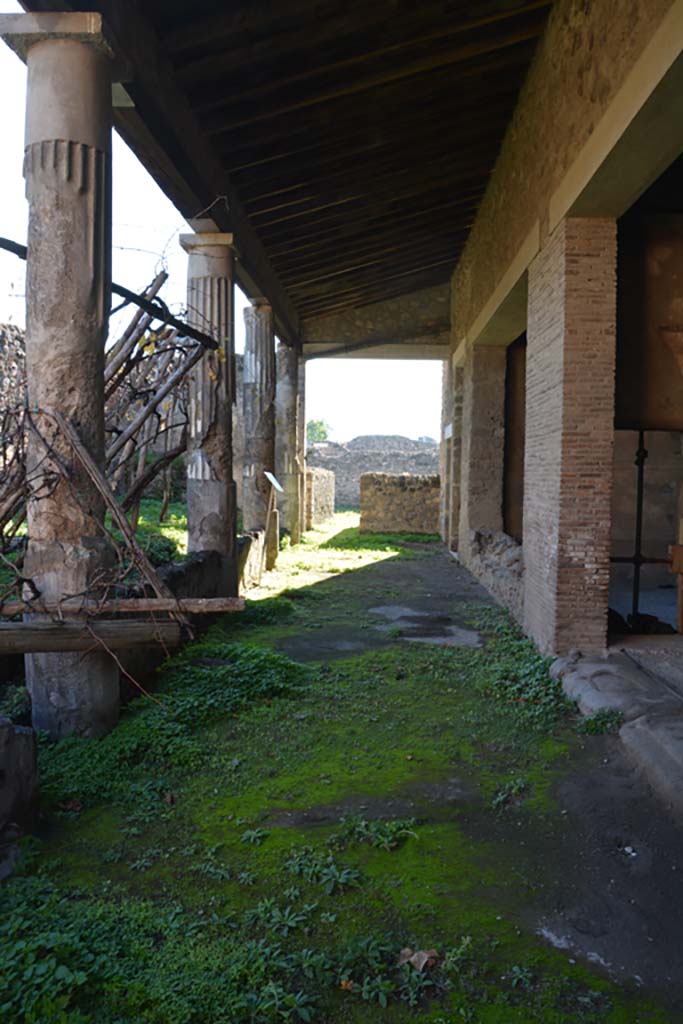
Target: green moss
158 909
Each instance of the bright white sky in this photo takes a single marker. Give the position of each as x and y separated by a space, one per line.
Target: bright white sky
355 396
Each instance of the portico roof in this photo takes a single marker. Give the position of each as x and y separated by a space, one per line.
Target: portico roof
346 144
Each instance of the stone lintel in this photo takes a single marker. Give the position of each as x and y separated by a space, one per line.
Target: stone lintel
22 31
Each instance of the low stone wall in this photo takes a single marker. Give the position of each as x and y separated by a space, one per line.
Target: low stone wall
371 454
319 506
403 503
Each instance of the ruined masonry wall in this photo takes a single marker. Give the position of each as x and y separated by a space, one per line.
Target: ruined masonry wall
319 505
371 454
402 503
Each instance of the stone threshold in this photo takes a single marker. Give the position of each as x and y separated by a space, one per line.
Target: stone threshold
642 679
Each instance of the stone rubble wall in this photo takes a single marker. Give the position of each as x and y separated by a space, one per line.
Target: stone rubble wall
498 563
399 503
371 454
320 488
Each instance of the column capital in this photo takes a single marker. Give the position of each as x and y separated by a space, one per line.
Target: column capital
22 31
202 240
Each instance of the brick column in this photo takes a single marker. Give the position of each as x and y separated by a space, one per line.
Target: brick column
457 379
67 167
483 430
569 436
288 467
211 498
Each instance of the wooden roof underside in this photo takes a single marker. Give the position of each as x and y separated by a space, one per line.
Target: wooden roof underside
356 137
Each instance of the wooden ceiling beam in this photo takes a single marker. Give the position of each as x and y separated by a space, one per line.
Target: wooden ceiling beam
372 214
272 151
208 69
370 267
334 257
371 294
346 170
241 118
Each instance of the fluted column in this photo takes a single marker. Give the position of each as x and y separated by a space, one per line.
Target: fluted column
259 414
288 464
211 498
67 168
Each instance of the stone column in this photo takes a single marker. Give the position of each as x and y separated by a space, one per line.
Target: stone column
456 447
259 419
301 442
211 497
288 467
569 436
445 449
67 167
483 431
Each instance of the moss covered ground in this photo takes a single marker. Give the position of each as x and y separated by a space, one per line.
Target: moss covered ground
260 842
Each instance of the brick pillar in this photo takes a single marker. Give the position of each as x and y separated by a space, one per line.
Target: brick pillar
457 380
569 436
67 167
483 430
211 497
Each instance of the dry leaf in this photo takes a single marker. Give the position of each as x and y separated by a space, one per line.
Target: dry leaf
419 959
346 985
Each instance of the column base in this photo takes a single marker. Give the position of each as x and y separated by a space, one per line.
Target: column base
73 694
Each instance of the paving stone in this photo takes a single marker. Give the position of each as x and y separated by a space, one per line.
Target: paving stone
655 743
615 683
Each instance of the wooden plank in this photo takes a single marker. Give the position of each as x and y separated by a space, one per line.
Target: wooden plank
32 637
114 606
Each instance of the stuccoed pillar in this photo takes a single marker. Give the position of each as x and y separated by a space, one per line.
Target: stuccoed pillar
259 414
211 497
288 464
67 168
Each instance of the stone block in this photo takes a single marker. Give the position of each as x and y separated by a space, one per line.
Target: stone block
655 743
615 683
320 496
18 770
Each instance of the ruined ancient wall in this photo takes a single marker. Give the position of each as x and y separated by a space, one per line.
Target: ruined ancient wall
399 503
582 60
319 506
371 454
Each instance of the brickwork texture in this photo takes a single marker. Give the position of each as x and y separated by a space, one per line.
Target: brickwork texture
569 436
